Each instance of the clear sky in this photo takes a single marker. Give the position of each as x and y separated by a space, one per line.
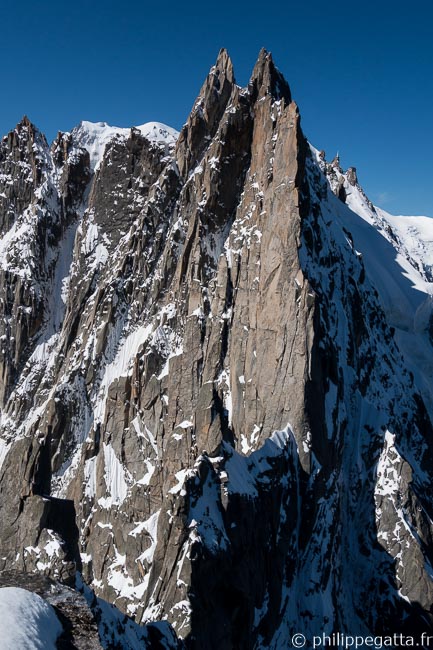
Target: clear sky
361 72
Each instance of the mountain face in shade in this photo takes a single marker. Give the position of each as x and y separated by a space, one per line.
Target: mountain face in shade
216 386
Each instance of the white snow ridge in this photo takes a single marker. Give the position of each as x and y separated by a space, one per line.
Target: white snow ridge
94 136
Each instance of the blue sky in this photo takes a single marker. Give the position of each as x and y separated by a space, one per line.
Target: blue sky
361 72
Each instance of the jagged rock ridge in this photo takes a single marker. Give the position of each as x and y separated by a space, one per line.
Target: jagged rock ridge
194 343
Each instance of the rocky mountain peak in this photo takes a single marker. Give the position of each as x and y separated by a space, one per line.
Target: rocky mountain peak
23 160
25 122
223 66
352 176
25 135
206 113
335 163
266 79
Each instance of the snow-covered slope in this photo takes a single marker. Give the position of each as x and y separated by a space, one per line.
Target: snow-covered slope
158 132
398 256
27 621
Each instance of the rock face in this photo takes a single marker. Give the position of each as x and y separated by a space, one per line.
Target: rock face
212 410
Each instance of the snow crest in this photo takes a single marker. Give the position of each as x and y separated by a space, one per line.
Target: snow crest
94 136
27 622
